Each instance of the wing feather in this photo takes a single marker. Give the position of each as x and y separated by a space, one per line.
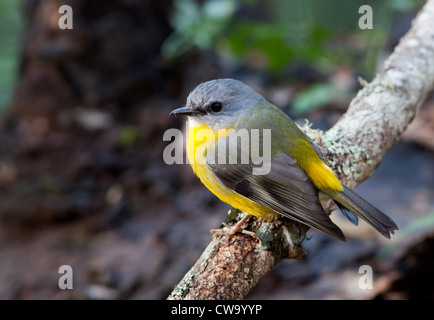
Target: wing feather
286 189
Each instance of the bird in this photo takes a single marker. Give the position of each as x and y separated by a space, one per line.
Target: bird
298 175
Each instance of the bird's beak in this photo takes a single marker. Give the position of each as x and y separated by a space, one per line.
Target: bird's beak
184 111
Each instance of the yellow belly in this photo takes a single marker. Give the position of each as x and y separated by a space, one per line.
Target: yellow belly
197 162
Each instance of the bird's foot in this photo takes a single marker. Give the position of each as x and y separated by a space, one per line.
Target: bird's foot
237 228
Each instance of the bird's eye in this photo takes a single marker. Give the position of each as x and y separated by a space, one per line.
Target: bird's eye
216 106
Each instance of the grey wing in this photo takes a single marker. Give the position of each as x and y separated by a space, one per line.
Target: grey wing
286 189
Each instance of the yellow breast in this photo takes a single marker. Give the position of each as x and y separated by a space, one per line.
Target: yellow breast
200 137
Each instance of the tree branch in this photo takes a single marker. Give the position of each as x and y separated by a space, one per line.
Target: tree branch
232 265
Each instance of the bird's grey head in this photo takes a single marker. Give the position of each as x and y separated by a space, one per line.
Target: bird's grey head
220 103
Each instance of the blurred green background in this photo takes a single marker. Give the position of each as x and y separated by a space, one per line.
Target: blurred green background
274 36
11 23
318 32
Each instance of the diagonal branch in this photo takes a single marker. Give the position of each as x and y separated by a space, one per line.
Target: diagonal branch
232 265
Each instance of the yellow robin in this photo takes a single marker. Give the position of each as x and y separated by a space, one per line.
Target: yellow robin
297 177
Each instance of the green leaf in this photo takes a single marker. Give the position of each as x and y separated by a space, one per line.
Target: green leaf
197 25
10 27
318 95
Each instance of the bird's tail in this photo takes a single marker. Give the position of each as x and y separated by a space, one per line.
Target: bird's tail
349 202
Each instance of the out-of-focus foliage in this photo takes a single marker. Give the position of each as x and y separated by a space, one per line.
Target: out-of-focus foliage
322 33
316 96
10 26
272 35
404 5
197 25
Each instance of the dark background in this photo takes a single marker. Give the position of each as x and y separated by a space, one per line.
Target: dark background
82 176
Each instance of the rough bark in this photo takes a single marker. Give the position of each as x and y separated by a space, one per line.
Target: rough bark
232 265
